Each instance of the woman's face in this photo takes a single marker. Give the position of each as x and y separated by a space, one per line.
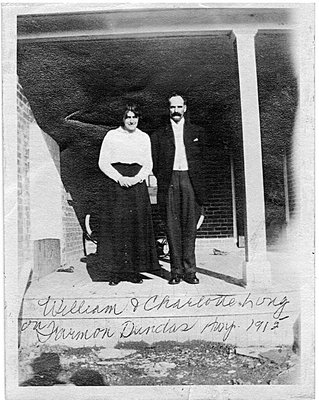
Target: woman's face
130 121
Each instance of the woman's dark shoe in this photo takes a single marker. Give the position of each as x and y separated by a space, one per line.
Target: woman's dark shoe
175 280
136 279
114 282
192 279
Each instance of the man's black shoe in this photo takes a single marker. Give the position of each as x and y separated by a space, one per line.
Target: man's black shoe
192 279
175 280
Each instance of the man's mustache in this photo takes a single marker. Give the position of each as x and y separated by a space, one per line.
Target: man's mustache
176 114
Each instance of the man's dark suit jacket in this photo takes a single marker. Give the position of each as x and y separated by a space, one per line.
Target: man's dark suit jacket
163 153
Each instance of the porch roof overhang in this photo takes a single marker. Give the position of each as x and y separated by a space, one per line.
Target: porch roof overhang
104 24
90 59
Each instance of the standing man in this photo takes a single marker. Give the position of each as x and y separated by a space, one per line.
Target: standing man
177 151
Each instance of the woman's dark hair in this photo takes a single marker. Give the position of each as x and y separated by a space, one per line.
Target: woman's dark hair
134 109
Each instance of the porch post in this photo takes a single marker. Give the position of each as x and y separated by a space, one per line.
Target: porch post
256 268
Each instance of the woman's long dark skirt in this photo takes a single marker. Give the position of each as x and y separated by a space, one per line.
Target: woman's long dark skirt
126 243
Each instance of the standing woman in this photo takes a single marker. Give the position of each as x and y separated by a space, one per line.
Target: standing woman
126 244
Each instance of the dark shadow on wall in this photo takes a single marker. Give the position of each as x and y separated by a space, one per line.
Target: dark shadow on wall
278 93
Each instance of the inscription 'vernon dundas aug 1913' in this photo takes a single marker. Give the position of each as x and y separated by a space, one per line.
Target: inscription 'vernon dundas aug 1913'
219 314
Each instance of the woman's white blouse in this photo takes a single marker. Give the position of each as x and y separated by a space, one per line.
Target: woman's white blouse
125 147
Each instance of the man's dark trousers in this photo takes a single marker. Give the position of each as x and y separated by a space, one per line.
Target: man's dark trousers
182 213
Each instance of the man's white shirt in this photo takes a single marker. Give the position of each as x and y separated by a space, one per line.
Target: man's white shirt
180 161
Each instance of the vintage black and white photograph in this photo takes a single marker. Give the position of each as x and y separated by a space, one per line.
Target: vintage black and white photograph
158 200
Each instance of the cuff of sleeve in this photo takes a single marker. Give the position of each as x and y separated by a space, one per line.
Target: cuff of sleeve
142 176
115 176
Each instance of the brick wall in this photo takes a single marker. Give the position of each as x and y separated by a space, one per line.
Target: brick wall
25 117
218 222
71 233
291 181
295 165
72 246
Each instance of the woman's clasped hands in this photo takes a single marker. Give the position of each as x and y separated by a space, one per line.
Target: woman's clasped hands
128 181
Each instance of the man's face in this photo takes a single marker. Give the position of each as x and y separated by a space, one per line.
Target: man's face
177 108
